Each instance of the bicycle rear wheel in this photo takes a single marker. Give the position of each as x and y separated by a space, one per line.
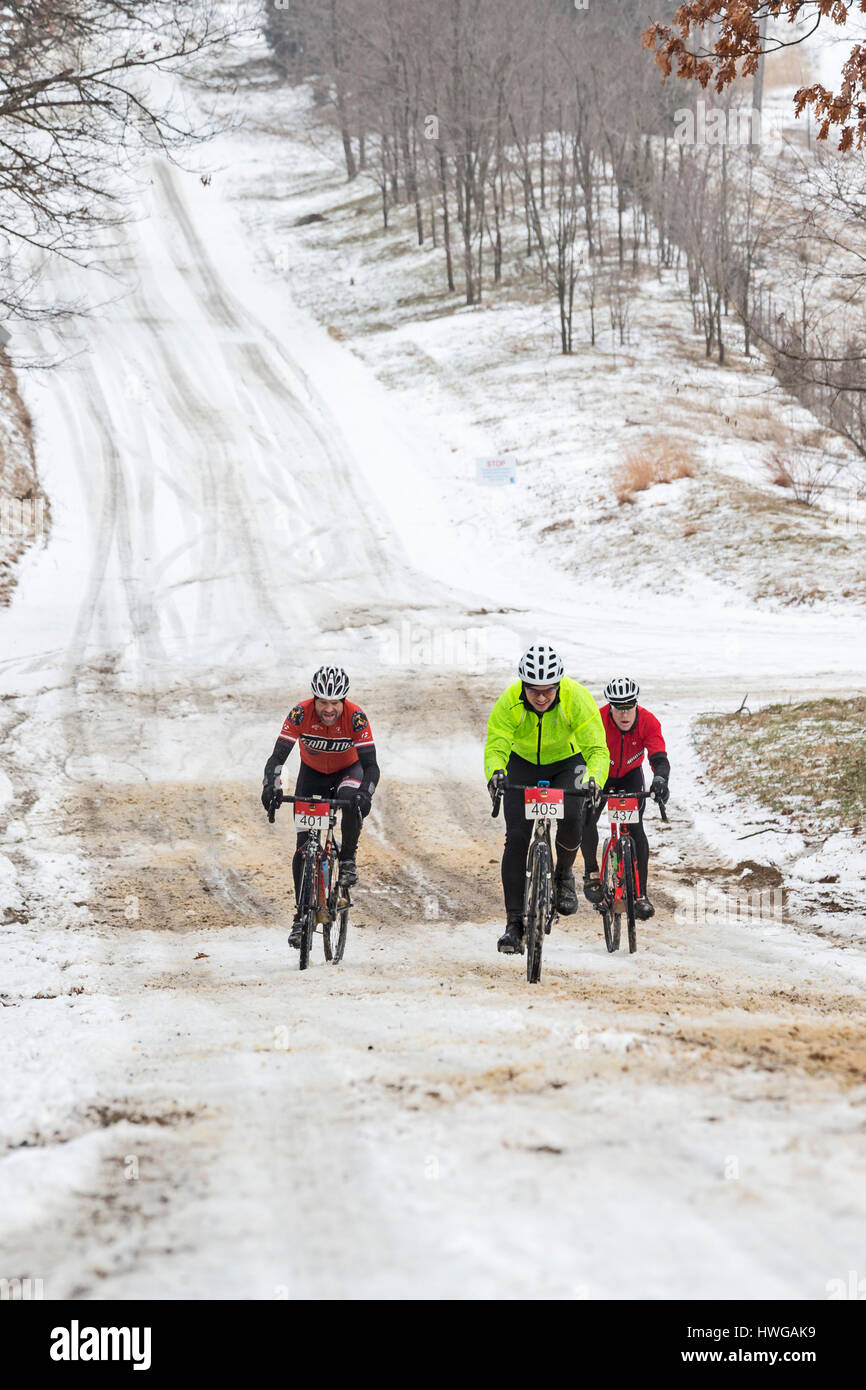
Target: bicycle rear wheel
628 892
335 945
608 916
334 932
538 905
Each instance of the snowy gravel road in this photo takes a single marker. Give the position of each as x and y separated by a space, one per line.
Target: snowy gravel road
185 1115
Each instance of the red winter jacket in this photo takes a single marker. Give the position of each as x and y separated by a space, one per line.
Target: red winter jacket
627 749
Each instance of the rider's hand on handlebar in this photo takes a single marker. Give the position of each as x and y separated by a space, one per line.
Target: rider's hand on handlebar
496 784
363 801
271 797
660 789
594 793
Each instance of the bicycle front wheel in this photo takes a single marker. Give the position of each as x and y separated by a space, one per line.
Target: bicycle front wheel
608 916
308 928
538 905
307 912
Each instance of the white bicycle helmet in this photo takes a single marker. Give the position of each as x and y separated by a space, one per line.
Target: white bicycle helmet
330 683
622 692
540 666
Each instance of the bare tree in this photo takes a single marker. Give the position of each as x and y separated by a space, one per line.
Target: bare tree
78 107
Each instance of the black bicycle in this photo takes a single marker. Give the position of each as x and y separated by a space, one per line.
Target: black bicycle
543 804
619 884
321 900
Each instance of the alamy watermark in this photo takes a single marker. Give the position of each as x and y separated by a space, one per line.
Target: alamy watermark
715 125
853 1287
22 517
21 1290
453 648
709 906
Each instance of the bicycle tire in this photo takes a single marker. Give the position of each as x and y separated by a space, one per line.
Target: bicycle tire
334 947
628 892
610 918
307 932
307 912
538 906
333 894
335 944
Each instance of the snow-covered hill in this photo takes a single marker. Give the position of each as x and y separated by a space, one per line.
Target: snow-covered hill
237 492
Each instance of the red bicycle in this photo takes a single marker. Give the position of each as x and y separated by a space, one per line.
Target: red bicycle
619 883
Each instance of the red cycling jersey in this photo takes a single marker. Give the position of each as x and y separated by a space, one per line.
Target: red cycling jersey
328 747
627 749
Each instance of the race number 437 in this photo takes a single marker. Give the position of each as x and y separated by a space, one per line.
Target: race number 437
544 803
311 815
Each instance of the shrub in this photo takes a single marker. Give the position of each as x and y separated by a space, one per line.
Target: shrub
805 474
656 461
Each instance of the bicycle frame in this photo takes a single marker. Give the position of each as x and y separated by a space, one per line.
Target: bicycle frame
539 901
618 831
318 902
318 869
619 896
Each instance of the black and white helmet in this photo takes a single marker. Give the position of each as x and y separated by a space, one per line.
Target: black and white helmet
541 665
622 692
330 683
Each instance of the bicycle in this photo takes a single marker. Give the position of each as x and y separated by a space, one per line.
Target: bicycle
619 885
542 804
321 900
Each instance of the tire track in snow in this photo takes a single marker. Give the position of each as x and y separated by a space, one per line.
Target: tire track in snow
381 554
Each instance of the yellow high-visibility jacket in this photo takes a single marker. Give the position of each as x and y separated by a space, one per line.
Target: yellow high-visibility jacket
572 725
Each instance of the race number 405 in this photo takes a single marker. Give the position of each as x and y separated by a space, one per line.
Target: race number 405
544 803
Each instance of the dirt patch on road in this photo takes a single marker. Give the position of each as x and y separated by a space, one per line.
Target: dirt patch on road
180 856
169 856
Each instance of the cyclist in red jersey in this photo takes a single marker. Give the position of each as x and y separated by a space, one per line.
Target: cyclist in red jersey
338 759
632 732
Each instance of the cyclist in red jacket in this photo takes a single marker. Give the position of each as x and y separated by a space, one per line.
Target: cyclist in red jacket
631 732
338 759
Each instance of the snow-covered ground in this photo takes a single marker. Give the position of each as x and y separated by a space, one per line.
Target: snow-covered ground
238 493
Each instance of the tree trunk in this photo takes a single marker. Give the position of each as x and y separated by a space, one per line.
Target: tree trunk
446 223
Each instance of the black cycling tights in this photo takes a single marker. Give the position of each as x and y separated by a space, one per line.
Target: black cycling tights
568 774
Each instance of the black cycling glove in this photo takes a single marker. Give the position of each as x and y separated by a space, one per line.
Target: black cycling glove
660 788
496 783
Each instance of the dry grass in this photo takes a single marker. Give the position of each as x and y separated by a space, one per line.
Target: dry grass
655 461
758 424
807 759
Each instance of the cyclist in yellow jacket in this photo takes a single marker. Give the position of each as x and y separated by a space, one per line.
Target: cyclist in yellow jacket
543 727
